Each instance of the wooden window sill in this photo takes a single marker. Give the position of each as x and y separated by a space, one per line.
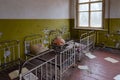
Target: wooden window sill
96 29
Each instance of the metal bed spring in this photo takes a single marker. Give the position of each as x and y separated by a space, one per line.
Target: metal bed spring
87 41
9 54
40 69
65 58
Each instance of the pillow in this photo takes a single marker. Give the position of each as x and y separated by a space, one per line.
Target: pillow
37 48
59 41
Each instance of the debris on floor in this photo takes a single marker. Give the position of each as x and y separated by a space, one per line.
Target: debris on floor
83 67
112 60
90 55
30 76
117 77
14 74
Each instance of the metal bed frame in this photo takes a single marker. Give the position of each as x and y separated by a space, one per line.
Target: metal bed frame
39 69
87 42
65 57
9 54
31 40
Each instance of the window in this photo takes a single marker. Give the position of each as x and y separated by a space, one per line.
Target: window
89 14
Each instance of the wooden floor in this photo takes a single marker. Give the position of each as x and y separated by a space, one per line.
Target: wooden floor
99 69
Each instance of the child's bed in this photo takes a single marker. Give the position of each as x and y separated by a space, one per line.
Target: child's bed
87 42
40 67
9 58
65 57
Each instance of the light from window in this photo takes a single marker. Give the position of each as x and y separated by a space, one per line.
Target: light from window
83 7
89 13
96 6
96 19
83 19
95 0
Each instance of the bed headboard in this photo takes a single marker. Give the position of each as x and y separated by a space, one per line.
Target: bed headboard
92 37
31 39
9 52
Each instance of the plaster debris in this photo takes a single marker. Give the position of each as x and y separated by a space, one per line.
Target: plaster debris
111 60
83 67
117 77
90 56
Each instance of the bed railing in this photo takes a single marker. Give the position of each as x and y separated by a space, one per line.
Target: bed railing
33 40
43 70
65 59
87 41
9 53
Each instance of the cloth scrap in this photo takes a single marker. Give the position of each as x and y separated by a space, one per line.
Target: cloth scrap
89 55
117 77
111 60
83 67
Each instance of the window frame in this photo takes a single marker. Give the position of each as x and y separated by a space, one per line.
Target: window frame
89 27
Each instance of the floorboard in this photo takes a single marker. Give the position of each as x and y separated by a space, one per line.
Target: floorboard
99 69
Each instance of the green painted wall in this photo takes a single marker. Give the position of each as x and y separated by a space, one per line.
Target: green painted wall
112 25
17 29
109 36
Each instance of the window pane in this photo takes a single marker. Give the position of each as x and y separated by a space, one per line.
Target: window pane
83 7
96 6
83 19
96 19
96 0
82 1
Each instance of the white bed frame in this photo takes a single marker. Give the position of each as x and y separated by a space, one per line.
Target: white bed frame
43 70
65 58
9 54
87 42
31 39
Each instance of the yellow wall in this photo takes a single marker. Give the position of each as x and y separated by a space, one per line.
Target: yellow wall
17 29
113 36
108 36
